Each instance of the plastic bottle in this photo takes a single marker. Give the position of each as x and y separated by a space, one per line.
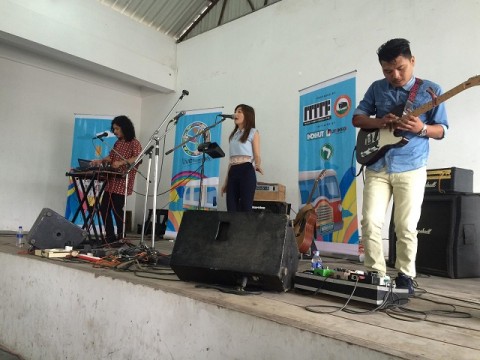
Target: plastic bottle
316 261
20 241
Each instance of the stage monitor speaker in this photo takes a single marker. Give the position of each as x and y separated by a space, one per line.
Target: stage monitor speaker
448 236
53 231
227 248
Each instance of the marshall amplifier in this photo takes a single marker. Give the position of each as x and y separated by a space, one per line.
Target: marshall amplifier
448 236
449 180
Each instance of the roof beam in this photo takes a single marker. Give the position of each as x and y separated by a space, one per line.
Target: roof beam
220 18
192 25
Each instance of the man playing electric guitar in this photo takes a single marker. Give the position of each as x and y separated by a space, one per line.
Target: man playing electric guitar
401 171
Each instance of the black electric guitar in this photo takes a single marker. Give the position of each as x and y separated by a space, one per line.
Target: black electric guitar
372 144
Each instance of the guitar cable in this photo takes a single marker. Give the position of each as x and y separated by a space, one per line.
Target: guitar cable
353 163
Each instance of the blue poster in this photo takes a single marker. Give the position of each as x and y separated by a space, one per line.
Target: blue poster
327 163
87 146
195 177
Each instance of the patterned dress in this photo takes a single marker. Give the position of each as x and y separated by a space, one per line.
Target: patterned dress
127 149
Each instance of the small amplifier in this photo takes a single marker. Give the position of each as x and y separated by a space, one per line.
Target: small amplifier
449 180
274 207
269 192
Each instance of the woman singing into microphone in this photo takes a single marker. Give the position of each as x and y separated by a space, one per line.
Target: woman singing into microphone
244 142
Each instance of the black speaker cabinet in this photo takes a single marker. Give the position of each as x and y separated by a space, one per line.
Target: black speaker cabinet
227 248
448 236
53 231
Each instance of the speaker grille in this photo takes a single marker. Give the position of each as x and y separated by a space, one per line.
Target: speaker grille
448 243
221 247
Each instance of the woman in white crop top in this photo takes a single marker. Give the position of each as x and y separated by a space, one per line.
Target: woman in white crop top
244 146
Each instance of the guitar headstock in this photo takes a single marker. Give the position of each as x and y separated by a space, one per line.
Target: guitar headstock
473 81
322 174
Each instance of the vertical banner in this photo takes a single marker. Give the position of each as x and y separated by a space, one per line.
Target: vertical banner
187 167
327 162
86 146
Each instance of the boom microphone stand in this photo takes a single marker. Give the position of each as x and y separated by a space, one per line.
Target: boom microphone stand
155 138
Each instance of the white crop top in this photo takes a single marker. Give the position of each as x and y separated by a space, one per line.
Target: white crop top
237 148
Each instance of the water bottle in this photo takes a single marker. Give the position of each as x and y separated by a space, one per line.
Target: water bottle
316 261
20 242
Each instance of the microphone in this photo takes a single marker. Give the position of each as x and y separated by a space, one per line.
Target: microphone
225 116
178 116
99 136
184 92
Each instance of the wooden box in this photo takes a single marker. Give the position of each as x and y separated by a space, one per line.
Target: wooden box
269 192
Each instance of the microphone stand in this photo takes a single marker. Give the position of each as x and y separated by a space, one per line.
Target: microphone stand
202 172
149 152
204 148
129 168
156 139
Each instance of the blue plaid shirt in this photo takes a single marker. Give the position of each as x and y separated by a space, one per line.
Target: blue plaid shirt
380 99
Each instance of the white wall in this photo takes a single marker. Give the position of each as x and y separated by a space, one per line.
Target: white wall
264 59
58 58
38 100
89 34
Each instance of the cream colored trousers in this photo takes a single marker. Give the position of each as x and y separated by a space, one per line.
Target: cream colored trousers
407 189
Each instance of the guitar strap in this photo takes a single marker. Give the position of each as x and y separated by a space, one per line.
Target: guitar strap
411 96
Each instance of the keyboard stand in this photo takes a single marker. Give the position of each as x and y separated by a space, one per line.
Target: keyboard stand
85 183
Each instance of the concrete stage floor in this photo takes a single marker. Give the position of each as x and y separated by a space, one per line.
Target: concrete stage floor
441 322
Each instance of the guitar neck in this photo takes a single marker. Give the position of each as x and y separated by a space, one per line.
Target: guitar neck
319 177
444 97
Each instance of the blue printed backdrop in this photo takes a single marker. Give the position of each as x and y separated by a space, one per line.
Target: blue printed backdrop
86 127
327 142
187 167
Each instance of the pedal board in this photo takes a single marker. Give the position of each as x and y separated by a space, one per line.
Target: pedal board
368 293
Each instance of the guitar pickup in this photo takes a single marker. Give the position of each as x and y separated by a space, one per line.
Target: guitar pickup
369 151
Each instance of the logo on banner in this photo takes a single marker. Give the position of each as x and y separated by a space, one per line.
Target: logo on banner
325 133
191 133
326 152
320 111
342 106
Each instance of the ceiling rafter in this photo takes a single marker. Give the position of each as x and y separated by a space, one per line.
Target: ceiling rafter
197 20
184 19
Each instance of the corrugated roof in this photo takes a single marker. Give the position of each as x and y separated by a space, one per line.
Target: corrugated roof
184 19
